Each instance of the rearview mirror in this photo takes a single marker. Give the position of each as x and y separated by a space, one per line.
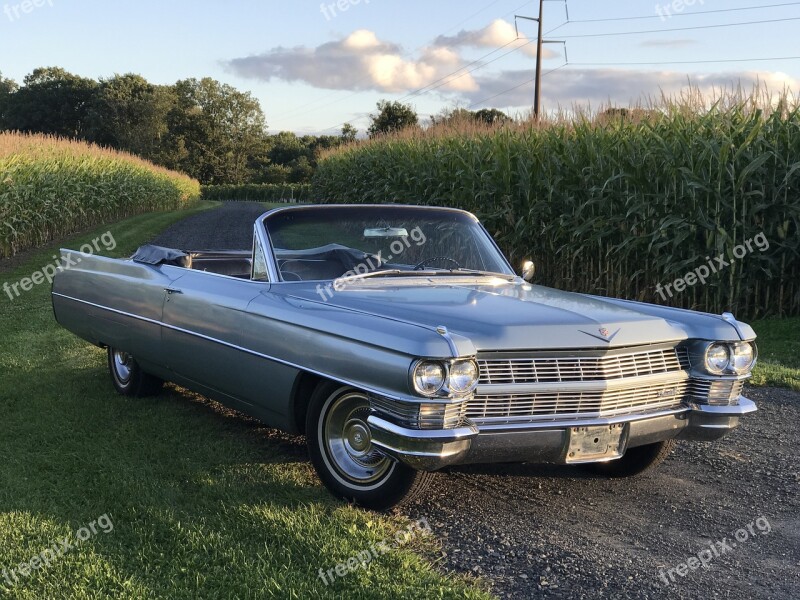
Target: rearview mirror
528 270
386 232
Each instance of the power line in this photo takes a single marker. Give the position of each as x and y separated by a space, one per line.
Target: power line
425 90
717 26
446 77
684 62
686 14
480 66
446 80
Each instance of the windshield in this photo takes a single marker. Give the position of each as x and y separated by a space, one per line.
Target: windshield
325 243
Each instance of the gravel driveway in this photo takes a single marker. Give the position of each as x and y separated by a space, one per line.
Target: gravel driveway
229 227
532 531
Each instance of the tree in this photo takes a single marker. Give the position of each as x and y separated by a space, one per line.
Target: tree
285 147
349 133
215 131
492 116
129 113
302 170
7 89
489 116
272 174
392 117
51 101
450 116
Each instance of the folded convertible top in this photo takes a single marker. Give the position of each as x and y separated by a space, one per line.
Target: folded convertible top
158 255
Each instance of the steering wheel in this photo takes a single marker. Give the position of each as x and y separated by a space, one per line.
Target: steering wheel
421 265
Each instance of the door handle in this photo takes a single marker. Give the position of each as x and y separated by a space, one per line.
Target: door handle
171 291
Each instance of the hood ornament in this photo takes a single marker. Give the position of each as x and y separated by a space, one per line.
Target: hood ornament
605 334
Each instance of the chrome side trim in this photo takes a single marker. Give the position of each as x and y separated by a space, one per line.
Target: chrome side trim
239 348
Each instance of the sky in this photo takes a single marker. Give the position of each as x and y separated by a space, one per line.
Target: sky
314 66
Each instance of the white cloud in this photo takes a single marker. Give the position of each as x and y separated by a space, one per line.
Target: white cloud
361 61
494 35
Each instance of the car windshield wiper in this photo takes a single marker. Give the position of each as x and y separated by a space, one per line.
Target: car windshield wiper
478 273
384 273
426 273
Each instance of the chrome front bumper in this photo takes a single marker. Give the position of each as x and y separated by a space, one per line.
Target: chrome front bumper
546 441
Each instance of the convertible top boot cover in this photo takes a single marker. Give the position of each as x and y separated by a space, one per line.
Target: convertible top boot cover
157 255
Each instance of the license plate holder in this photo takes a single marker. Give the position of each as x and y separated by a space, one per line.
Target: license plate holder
596 444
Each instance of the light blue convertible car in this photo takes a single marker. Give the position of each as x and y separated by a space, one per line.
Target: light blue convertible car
399 340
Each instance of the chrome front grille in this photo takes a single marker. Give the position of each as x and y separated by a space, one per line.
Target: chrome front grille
579 404
715 393
572 385
582 368
420 415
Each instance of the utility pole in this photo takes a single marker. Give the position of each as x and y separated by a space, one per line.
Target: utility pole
540 42
537 98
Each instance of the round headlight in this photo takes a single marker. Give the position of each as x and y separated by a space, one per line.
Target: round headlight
744 355
718 358
428 378
463 376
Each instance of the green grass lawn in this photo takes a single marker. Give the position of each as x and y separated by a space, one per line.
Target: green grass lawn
779 353
204 503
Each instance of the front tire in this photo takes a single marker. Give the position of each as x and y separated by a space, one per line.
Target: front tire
128 377
341 450
636 461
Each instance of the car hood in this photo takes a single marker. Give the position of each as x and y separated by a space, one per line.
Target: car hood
501 315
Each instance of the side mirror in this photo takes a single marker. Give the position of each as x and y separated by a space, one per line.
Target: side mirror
528 270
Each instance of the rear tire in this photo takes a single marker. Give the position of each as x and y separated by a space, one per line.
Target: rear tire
635 462
341 450
128 377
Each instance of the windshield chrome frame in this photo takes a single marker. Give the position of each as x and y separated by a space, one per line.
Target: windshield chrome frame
265 240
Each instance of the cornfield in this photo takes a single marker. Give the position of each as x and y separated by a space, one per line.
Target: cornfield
51 188
614 204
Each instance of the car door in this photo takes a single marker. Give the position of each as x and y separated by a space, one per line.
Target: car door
201 339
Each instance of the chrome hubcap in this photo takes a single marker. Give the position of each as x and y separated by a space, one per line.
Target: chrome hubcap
348 440
358 438
123 364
